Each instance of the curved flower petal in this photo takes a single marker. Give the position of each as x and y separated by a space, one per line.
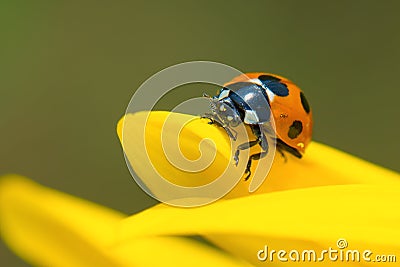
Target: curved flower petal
321 165
367 216
175 251
49 228
54 229
333 195
358 202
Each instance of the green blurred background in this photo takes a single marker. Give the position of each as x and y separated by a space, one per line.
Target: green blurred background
68 71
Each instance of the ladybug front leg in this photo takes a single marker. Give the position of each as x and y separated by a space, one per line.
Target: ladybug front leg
215 120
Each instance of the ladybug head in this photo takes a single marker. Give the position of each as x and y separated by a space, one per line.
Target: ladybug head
224 112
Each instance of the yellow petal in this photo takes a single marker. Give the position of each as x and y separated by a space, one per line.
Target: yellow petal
49 228
54 229
310 218
189 144
367 216
175 251
321 165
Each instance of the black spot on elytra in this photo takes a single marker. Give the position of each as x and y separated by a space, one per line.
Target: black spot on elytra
295 129
304 102
274 85
268 78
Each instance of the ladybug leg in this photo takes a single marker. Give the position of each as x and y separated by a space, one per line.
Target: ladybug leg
262 141
282 147
243 146
253 157
229 130
214 120
282 154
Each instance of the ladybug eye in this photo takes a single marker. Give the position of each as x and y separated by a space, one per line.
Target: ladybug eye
222 108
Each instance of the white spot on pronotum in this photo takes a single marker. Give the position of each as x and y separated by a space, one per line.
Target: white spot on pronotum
256 81
270 94
223 94
250 117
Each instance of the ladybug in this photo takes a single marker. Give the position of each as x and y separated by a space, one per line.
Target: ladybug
244 100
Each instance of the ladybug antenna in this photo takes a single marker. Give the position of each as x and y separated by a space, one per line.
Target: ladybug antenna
213 107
